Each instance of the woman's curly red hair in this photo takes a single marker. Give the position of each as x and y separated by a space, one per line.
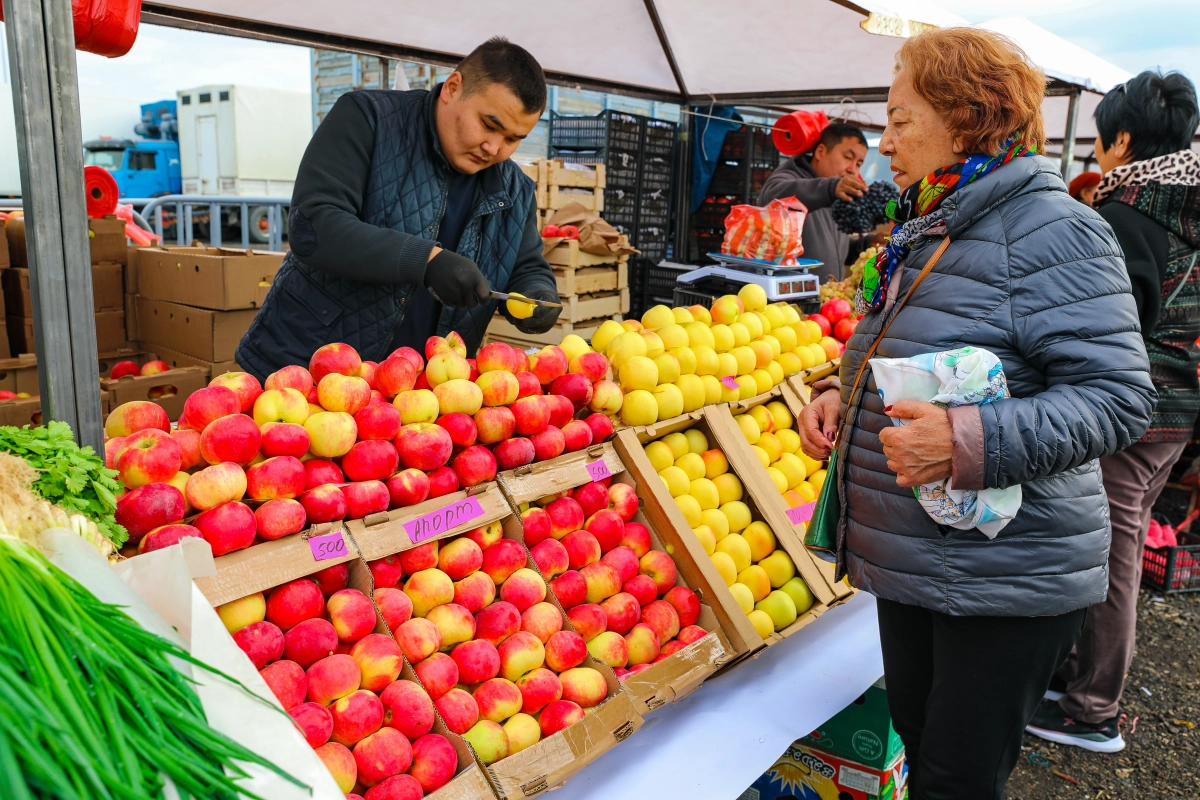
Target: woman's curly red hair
981 83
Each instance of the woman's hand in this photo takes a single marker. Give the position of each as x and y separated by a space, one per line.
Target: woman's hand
921 451
818 424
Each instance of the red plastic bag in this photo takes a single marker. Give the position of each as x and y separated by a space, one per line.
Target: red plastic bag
104 27
768 233
798 131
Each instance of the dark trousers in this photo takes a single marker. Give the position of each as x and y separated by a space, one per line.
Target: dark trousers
962 689
1095 672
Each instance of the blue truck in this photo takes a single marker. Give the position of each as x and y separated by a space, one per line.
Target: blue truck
144 167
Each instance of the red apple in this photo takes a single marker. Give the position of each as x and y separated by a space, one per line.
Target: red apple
424 446
529 385
148 507
474 465
822 323
835 309
205 405
319 472
408 488
575 387
577 435
334 358
228 527
442 481
602 427
372 460
513 453
282 439
461 428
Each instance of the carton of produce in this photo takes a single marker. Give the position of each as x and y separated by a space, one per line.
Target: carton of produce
619 583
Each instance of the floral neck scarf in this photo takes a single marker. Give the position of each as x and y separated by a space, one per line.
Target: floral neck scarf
917 210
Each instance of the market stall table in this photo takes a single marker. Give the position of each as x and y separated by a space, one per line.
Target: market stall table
717 741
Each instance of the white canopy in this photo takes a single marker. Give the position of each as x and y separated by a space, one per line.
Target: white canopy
768 52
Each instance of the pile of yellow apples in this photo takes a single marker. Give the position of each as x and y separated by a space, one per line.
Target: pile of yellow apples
761 577
677 360
770 430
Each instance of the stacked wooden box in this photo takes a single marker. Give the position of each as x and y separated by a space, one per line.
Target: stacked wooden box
592 288
560 184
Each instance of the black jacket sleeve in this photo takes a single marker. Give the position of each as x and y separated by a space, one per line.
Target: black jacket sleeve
325 228
788 180
1144 243
531 271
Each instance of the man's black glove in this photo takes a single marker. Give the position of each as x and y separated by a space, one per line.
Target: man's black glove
544 317
455 280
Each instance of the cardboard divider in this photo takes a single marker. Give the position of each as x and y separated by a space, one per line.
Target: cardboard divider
683 672
468 782
267 564
383 534
660 503
817 572
556 758
771 505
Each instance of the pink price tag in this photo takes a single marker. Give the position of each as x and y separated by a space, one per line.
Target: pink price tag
598 470
330 545
730 383
444 519
800 514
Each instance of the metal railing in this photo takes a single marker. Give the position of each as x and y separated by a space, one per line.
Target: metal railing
151 215
183 205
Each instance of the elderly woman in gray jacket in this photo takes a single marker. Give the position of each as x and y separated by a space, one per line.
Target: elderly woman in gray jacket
972 628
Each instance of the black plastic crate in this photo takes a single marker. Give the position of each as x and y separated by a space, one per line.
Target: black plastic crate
648 278
654 209
607 129
660 137
620 206
712 213
685 297
652 241
1172 570
728 178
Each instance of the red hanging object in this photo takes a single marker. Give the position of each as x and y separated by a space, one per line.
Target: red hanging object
100 188
104 27
798 132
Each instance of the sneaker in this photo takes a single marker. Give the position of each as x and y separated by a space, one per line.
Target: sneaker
1058 687
1053 724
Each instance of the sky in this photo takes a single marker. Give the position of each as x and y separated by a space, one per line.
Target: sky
1133 35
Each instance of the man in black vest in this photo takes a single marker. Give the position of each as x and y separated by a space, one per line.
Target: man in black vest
406 213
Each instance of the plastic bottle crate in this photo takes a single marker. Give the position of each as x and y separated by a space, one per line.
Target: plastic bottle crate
620 206
651 239
607 129
729 179
1173 569
649 278
655 208
660 137
712 213
657 173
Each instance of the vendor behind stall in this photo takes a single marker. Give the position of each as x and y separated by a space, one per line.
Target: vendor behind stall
830 173
406 213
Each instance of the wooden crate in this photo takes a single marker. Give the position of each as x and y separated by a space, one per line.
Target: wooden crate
589 280
501 330
581 307
554 173
567 254
555 197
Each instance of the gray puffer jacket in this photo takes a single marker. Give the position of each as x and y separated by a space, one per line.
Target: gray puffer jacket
1039 280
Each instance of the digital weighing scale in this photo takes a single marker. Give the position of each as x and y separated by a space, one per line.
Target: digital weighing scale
791 283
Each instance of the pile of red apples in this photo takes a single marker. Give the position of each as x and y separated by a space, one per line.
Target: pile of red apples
502 667
313 642
621 595
346 438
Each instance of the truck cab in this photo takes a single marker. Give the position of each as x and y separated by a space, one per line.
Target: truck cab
144 168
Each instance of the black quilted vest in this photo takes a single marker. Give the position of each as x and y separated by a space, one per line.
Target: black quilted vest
307 308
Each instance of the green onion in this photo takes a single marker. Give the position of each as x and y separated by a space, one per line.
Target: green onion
91 707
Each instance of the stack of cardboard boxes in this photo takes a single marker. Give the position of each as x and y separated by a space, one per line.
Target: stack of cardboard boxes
109 257
193 304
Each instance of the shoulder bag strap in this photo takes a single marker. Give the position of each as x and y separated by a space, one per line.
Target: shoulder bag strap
862 368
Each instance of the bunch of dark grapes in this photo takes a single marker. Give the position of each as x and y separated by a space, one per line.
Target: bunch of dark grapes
867 211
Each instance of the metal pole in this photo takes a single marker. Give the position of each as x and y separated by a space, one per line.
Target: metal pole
214 224
1068 146
683 186
41 48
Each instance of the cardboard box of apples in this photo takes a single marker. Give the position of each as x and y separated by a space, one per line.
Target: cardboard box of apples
343 439
322 647
700 489
491 649
609 569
